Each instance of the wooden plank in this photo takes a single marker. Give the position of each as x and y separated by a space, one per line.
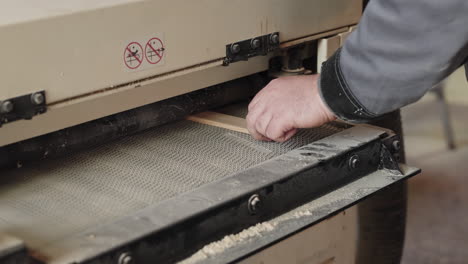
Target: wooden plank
221 120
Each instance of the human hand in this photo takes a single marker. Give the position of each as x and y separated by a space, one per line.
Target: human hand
284 105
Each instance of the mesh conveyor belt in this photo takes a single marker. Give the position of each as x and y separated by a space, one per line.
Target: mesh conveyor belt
53 199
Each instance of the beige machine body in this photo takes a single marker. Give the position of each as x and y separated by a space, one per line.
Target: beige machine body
94 59
81 53
97 58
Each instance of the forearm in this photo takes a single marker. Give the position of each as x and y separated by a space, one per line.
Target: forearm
400 50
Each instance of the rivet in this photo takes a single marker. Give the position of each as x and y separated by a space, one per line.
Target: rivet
274 38
255 43
6 107
125 258
354 162
235 48
254 204
396 145
37 98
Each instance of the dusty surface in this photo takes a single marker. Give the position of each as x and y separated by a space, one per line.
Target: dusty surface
437 230
217 247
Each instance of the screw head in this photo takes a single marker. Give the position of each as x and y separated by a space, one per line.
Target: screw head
274 38
235 48
125 258
354 162
254 204
255 43
6 107
396 145
37 98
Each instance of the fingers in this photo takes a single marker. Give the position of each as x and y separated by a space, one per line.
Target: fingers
252 125
267 119
280 130
289 135
263 125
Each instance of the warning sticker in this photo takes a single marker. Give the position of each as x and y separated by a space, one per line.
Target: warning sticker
154 50
133 55
144 53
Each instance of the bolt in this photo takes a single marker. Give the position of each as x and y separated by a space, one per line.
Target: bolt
235 48
226 62
125 258
274 39
397 156
396 145
37 98
255 43
255 204
354 162
6 107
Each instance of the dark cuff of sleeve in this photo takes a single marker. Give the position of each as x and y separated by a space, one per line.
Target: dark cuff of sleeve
337 95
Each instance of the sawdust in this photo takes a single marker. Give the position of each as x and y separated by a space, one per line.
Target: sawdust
321 206
229 241
259 230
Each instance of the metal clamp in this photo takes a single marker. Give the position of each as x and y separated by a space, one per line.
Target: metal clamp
245 49
22 107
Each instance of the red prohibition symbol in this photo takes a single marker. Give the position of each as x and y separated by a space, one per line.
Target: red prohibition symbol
133 55
154 51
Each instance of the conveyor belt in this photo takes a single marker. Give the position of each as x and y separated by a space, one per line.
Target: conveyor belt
42 203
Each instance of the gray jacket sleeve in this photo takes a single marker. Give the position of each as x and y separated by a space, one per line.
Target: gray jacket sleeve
400 50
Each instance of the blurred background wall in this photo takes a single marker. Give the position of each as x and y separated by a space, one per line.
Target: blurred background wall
437 230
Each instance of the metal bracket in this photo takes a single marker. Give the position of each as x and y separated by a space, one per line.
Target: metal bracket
258 46
22 107
393 144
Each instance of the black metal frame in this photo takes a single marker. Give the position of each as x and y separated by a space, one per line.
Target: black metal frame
244 50
176 228
23 107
